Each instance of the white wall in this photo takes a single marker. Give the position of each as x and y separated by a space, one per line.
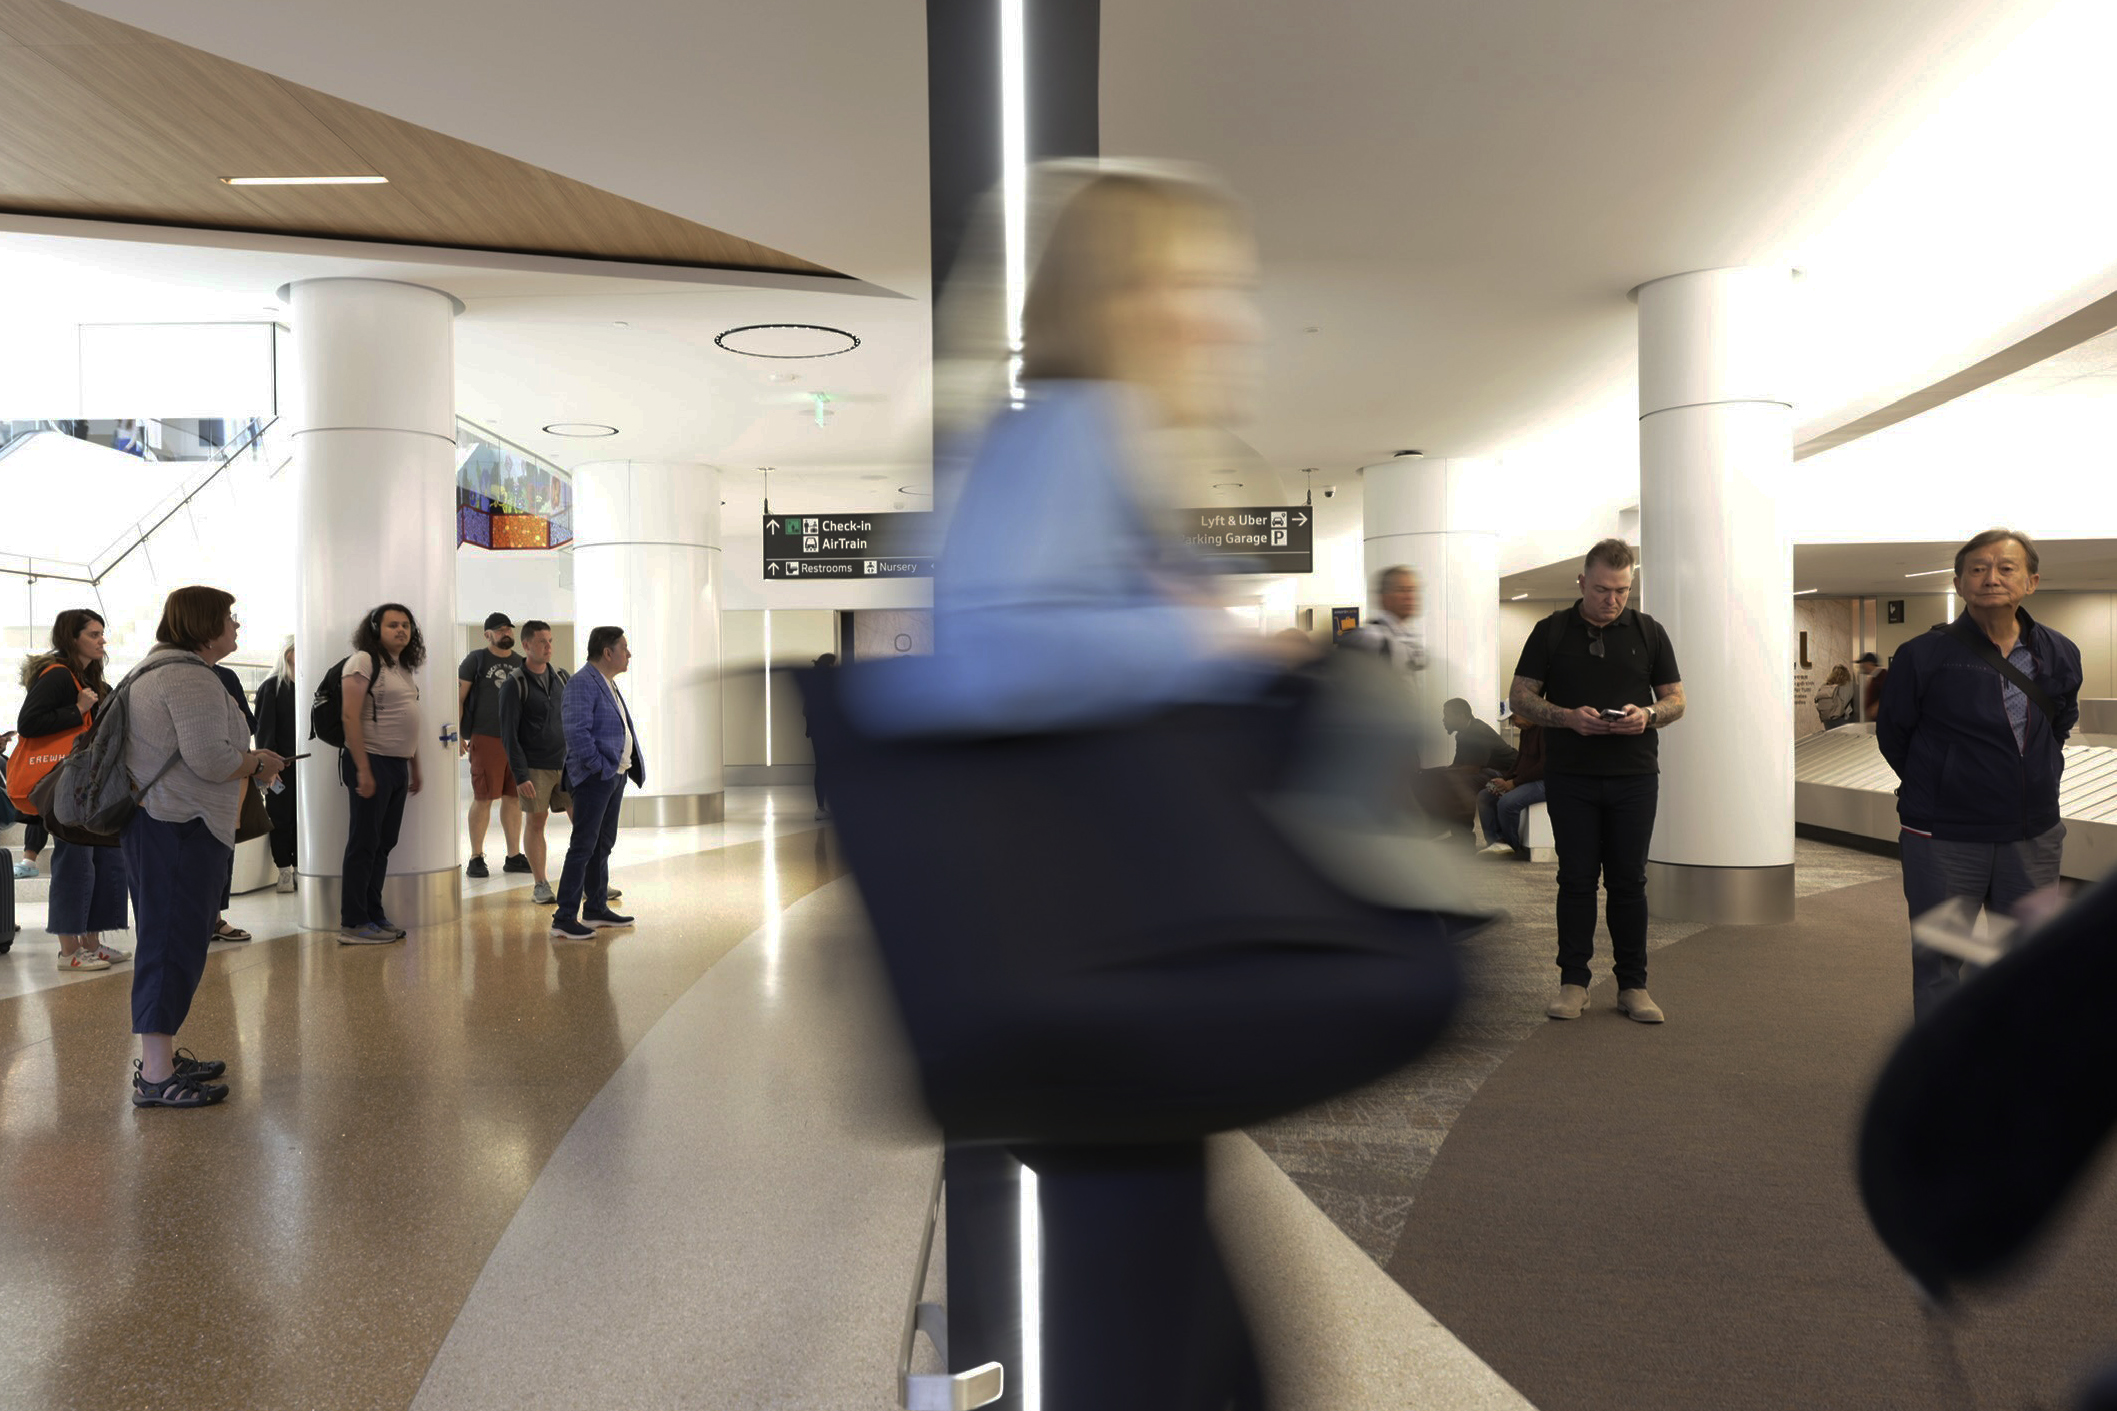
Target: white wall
523 583
798 638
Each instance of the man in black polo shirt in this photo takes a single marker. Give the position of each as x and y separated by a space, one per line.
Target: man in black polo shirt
1601 678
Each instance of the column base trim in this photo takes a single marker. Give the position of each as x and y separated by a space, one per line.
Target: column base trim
671 810
1721 896
412 899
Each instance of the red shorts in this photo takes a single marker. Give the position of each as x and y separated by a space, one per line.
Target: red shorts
490 777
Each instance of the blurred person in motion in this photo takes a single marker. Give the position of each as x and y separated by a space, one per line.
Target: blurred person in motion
1601 676
1394 629
602 752
64 685
379 765
478 681
1974 722
532 722
189 737
1504 800
275 731
1873 677
1065 602
827 662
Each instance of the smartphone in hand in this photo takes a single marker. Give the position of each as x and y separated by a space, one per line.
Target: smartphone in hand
1608 714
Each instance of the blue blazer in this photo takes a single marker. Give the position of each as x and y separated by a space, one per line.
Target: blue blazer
595 717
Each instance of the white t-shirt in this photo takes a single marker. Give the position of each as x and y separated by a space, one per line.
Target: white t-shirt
624 761
389 720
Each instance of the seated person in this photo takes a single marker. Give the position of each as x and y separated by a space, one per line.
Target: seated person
1504 800
1477 745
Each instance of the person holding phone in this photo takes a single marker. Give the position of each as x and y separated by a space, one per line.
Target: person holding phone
379 765
1601 678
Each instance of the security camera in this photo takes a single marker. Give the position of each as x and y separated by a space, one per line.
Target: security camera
1330 492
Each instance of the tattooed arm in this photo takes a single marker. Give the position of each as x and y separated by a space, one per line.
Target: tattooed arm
1526 699
1669 709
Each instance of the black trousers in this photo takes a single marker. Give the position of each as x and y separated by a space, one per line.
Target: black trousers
370 834
1602 827
281 809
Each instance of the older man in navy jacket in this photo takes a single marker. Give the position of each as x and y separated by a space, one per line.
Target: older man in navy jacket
602 752
1974 720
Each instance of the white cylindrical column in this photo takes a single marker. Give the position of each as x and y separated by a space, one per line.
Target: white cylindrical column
1436 517
646 557
1715 445
375 510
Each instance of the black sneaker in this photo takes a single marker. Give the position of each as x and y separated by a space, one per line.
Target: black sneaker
517 863
565 928
189 1065
608 920
477 866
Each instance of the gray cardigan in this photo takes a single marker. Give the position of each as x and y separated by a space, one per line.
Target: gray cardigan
177 710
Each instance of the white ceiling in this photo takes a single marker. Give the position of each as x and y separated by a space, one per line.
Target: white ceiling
1456 198
1874 570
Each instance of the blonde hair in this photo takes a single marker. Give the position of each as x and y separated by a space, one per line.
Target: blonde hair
283 671
1839 675
1094 229
1117 234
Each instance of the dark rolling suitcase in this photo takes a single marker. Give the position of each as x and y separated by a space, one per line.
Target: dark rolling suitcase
7 901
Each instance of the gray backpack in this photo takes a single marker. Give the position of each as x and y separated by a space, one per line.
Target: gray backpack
91 795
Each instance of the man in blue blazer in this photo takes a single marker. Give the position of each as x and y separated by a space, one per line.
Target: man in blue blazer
602 752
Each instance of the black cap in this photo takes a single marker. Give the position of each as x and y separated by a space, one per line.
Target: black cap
1866 657
494 621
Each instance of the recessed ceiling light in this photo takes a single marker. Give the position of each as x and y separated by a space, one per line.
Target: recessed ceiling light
1517 597
914 490
787 340
619 323
782 377
1804 592
1929 573
580 428
305 180
1415 455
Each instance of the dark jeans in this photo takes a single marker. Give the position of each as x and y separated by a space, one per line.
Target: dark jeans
369 836
1996 874
281 808
87 889
34 838
586 876
1502 813
1602 827
175 870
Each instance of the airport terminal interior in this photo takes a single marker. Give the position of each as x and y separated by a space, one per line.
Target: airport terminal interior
731 329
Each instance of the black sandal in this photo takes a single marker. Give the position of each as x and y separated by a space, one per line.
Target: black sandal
176 1090
190 1065
225 932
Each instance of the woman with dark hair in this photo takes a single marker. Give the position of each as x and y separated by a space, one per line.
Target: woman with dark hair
187 735
379 765
87 883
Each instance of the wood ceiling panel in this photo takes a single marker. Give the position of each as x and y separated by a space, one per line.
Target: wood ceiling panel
102 120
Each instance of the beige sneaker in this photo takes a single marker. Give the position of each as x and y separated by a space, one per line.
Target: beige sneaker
1572 1002
1638 1004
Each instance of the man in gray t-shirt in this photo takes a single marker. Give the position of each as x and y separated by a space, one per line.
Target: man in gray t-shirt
478 682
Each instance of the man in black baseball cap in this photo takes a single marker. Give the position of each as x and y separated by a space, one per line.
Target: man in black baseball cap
478 682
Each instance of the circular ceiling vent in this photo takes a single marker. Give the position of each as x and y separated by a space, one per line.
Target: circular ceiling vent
580 428
787 340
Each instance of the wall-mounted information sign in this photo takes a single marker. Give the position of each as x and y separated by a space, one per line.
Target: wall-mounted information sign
849 546
1278 538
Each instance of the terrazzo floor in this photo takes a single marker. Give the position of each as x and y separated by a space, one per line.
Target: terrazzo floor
1361 1157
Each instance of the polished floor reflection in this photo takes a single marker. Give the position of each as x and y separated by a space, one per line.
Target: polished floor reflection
310 1241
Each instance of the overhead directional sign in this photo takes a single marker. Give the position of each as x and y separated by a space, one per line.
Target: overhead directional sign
1277 538
848 546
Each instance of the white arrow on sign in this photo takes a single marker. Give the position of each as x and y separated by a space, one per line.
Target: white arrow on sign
1301 518
771 568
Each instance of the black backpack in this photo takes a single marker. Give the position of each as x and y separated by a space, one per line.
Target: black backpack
327 710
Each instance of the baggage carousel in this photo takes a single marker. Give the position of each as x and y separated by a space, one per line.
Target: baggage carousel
1842 783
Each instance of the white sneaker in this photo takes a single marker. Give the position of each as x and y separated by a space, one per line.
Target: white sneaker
286 879
82 960
1500 849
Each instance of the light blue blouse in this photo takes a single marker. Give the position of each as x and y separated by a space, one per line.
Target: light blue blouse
1051 601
